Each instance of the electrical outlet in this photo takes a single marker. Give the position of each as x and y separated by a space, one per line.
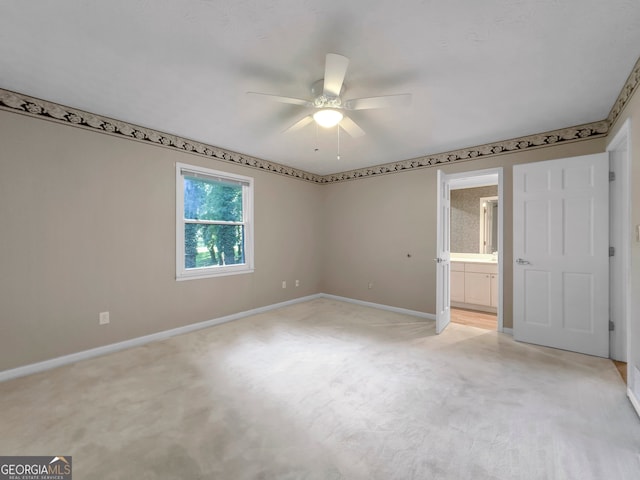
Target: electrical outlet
297 283
370 285
104 318
284 284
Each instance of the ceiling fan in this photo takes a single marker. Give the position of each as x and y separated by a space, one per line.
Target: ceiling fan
328 102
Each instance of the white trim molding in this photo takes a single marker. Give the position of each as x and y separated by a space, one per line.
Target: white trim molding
634 401
379 306
619 150
476 178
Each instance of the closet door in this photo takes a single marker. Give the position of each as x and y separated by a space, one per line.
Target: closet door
561 253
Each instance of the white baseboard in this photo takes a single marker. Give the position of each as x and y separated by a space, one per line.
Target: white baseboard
154 337
508 331
634 401
415 313
135 342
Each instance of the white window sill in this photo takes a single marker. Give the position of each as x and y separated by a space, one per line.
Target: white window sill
212 274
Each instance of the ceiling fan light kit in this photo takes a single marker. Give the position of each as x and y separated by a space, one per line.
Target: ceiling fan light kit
328 103
327 117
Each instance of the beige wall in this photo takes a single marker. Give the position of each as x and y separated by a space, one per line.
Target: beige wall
632 111
372 224
88 225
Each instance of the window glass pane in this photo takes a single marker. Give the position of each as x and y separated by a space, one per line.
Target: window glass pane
212 200
213 245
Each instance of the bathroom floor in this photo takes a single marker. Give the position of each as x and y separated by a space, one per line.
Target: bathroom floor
473 318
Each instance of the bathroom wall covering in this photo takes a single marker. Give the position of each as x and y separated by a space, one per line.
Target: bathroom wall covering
465 217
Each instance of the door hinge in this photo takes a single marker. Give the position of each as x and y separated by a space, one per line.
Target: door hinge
612 176
612 251
612 326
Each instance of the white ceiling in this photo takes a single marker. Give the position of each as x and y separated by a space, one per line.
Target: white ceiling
479 71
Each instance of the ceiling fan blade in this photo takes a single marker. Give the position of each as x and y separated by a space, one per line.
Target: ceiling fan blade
303 122
335 69
351 127
385 101
278 98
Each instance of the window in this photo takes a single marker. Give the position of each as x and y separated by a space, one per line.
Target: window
214 223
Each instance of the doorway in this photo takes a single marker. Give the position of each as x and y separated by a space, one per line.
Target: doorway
475 234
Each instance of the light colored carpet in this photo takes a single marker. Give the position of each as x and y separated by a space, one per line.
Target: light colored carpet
329 390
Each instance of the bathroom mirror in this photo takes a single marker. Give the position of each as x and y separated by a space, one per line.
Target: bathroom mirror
488 225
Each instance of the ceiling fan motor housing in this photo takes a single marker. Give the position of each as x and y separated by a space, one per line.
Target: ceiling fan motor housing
323 101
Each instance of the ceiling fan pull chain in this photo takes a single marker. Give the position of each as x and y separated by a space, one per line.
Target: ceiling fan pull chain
338 156
316 149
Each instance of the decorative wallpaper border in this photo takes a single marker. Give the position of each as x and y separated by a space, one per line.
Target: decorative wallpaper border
26 105
633 80
555 137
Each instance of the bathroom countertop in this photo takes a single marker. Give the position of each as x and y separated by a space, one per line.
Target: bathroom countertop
471 258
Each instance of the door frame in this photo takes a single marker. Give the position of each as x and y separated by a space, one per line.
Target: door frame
622 143
480 178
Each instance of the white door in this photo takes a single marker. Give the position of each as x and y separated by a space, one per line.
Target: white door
443 264
561 254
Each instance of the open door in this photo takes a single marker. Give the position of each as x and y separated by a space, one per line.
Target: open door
561 253
443 254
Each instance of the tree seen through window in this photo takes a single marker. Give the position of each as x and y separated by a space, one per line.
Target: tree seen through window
214 229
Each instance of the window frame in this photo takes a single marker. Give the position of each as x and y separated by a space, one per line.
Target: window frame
183 273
